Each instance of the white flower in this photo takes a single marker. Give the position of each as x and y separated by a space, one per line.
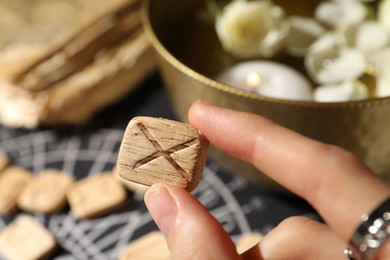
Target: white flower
383 81
383 85
367 36
372 36
384 13
380 59
346 91
303 32
334 13
250 29
328 62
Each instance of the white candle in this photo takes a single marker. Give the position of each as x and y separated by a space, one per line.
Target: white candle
269 79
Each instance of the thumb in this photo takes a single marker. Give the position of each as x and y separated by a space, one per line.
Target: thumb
190 230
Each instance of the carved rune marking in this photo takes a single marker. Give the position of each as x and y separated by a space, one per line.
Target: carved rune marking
164 153
158 150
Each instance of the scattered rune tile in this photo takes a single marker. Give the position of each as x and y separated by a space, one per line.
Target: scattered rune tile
46 192
26 238
12 181
247 241
4 161
156 150
149 246
96 196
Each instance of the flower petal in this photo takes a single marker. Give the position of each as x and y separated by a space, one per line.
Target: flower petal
339 12
380 59
372 36
384 13
303 32
383 81
345 91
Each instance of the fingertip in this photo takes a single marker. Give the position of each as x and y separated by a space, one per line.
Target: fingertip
187 225
196 111
320 241
162 206
201 103
155 188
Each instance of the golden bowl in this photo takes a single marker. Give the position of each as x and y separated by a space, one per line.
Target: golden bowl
190 55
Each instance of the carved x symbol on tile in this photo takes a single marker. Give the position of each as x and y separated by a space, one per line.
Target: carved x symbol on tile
164 153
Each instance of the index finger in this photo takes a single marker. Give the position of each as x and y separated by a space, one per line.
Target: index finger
331 179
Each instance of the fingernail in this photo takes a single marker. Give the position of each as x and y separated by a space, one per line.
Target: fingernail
162 207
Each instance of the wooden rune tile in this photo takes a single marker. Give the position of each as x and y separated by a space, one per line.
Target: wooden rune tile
26 238
247 241
4 161
46 192
12 182
149 246
96 196
156 150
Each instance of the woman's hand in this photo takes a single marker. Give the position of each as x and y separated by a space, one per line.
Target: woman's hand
332 180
